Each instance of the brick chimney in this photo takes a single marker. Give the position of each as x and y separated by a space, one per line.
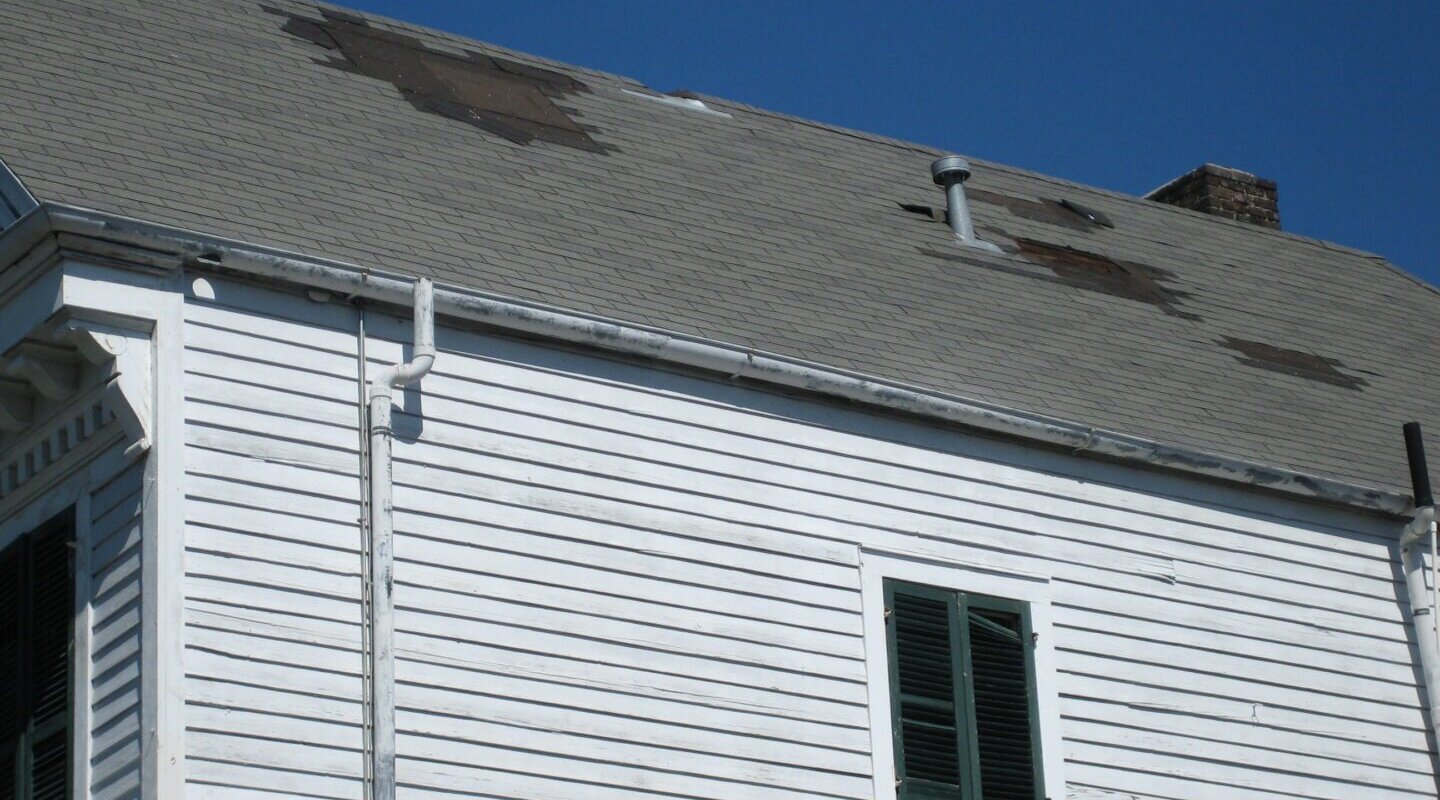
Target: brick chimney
1224 192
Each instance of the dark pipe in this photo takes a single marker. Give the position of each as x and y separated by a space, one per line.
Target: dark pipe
1419 473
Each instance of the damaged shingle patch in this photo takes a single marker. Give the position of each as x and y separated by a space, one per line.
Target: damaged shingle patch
1090 214
937 214
1292 362
1081 270
1100 273
1051 212
503 97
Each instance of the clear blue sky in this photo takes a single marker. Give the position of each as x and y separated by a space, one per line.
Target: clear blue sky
1339 102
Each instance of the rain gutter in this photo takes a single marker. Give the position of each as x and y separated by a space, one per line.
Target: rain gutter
553 323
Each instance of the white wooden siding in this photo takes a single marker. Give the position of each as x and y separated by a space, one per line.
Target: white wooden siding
272 579
617 581
115 646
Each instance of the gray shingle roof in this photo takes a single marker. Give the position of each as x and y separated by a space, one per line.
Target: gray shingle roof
759 229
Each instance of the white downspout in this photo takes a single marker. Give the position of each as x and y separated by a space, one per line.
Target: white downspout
1423 604
382 553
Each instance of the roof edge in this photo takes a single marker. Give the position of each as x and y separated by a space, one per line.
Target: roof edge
734 361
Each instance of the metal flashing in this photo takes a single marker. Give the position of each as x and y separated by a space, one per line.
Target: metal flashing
737 362
15 200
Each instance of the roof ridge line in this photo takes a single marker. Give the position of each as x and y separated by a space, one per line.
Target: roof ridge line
857 133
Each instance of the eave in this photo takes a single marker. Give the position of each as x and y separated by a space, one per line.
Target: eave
157 246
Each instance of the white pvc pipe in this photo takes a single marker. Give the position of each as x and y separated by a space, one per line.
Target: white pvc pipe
382 536
1423 606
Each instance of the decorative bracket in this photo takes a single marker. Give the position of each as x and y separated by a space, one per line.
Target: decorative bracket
48 368
127 352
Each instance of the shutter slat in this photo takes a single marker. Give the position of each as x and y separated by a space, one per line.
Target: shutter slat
12 580
930 742
52 610
1001 705
50 767
36 632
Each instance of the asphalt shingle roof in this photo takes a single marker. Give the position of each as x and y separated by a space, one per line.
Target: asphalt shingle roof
759 229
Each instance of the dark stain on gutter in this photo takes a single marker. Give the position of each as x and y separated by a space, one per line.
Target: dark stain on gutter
503 97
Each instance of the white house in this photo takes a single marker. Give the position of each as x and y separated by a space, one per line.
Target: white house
387 414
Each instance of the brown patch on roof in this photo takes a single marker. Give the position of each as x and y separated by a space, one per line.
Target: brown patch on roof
504 97
1100 273
1086 271
1299 363
1051 212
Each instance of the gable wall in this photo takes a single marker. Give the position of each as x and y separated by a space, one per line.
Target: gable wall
616 581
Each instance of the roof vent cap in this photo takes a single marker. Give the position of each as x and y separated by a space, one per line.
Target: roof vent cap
950 168
951 172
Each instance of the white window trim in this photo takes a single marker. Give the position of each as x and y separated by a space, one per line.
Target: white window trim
1034 590
73 494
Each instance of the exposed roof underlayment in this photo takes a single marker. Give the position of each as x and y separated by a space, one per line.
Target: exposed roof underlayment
366 141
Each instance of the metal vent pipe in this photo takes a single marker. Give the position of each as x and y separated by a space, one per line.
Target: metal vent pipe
951 172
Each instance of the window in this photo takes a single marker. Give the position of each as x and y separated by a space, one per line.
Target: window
963 697
36 619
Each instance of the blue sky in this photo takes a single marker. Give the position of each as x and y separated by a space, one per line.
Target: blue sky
1338 102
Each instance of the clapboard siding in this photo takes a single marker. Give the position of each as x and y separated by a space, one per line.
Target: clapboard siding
618 581
115 638
272 560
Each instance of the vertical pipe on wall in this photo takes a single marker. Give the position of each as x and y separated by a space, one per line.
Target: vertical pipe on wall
381 541
1424 600
367 716
1422 607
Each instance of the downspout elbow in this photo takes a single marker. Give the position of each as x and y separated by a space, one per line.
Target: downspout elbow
1419 525
422 358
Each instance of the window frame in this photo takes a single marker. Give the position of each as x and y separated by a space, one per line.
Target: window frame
1004 580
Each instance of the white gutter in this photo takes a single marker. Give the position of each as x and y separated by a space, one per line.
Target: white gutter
382 535
731 360
1424 602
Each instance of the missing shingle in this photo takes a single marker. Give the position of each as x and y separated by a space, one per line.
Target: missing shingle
1103 278
1100 273
504 97
933 213
1044 210
1299 363
1088 213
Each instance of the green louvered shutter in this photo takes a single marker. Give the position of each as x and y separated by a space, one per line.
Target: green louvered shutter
36 632
1003 691
12 676
962 684
928 698
52 613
